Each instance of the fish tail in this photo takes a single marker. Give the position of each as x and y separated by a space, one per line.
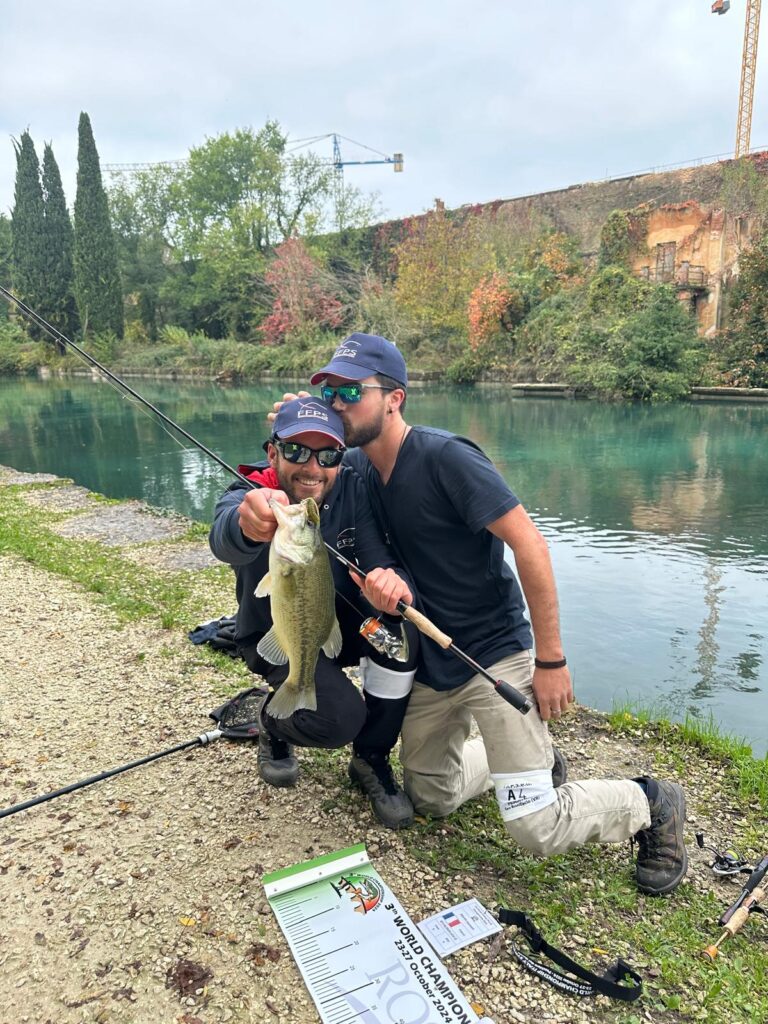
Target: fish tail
288 699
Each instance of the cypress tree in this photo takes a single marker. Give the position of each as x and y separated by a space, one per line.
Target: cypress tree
97 279
59 307
27 228
5 261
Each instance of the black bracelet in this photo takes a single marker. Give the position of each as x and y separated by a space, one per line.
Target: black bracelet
550 664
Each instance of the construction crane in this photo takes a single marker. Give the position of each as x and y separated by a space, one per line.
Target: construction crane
748 66
336 161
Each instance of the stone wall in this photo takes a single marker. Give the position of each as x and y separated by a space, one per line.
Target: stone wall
697 224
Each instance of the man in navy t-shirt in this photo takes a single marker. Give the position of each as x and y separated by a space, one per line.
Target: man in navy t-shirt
448 515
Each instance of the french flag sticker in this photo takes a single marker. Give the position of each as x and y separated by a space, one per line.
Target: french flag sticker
451 920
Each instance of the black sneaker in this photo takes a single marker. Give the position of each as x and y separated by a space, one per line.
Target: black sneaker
277 765
662 859
559 768
373 774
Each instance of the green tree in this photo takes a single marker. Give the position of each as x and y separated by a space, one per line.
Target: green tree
745 354
59 306
28 227
5 260
194 239
97 279
247 183
140 212
617 337
438 266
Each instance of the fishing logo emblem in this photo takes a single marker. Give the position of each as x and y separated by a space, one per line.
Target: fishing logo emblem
347 350
365 893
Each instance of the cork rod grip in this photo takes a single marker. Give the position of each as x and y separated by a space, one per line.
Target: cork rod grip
423 624
742 914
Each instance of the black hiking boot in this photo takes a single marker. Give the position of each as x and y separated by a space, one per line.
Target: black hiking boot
277 765
559 768
662 859
373 774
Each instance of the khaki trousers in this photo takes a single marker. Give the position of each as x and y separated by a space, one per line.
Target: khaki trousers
442 767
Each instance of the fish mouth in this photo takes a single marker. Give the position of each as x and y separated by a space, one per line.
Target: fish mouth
294 519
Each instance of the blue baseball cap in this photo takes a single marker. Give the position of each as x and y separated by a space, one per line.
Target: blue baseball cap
363 355
302 415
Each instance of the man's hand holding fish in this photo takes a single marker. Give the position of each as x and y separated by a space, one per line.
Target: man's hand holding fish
300 613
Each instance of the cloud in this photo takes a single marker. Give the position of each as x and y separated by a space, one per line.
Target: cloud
485 100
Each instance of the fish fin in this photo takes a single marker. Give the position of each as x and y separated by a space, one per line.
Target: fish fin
288 699
270 649
332 645
264 586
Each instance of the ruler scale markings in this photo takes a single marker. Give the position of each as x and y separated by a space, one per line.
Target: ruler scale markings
340 885
329 952
320 913
342 995
330 976
367 1010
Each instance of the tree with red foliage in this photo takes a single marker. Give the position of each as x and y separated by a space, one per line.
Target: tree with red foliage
306 295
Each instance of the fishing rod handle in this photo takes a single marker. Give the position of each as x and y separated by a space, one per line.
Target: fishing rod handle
754 880
513 696
423 624
740 918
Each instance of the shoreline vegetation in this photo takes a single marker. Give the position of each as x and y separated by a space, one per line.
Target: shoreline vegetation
248 258
113 589
73 366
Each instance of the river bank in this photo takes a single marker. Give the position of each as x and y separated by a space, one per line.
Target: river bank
139 899
418 379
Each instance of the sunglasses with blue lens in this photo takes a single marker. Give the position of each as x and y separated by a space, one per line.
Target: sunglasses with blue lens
348 393
327 458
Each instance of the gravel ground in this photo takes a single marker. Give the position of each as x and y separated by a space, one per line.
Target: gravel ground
139 899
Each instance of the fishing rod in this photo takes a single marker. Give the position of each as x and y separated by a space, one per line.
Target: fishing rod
505 690
237 719
748 902
202 740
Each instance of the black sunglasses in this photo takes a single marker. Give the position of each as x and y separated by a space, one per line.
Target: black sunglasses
348 393
327 458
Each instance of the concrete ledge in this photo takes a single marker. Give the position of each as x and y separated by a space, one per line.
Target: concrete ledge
543 390
729 394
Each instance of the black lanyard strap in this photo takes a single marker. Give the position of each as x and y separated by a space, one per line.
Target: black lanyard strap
607 984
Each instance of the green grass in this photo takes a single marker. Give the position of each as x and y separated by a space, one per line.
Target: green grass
695 735
589 891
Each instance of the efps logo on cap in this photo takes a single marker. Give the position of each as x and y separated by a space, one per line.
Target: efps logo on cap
302 415
365 355
347 350
314 411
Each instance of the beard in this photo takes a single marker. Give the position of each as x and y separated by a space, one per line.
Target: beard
288 484
361 434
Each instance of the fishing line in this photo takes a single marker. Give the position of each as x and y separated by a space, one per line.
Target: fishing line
422 623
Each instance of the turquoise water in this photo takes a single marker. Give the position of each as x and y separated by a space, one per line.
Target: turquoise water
655 516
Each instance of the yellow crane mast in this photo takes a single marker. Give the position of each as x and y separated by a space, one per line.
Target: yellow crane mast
748 67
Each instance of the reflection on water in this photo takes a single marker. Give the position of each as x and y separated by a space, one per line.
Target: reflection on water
655 516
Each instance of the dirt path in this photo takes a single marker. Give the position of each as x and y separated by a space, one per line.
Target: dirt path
139 899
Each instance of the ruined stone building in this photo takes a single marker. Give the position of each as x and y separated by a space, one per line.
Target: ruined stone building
696 220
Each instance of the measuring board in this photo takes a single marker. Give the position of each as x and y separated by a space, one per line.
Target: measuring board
362 958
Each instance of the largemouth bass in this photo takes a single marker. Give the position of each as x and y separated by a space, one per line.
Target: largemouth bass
300 587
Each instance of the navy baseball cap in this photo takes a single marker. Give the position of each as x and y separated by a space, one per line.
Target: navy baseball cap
362 355
304 414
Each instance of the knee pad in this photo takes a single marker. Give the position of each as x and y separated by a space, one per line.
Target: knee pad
523 793
385 682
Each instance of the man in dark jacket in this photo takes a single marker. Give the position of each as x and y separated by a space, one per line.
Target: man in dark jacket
304 460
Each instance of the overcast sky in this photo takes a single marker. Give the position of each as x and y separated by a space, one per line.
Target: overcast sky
486 99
